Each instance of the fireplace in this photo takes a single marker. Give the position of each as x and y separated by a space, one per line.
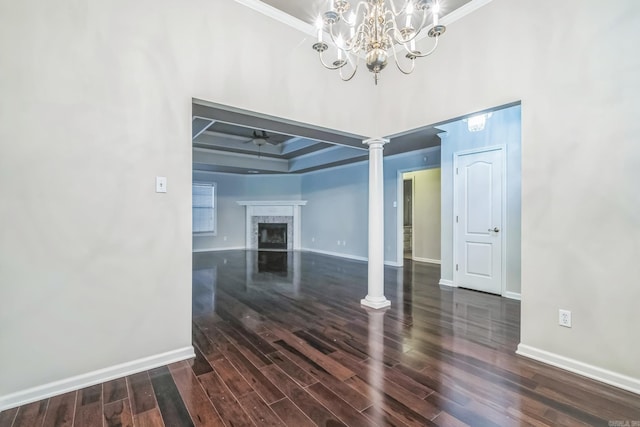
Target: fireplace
283 213
272 236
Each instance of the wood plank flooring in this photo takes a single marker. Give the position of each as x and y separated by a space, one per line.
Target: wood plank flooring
295 348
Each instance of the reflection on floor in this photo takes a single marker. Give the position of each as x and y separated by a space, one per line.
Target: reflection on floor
296 348
273 261
438 355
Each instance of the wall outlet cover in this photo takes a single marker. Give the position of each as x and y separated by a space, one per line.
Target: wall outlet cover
564 318
161 184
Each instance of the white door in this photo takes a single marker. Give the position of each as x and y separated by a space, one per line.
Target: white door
478 198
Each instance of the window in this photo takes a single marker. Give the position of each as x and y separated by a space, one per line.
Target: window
204 208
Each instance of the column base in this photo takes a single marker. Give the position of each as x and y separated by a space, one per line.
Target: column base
380 302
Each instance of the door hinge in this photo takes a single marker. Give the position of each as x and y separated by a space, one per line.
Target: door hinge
456 267
456 171
456 218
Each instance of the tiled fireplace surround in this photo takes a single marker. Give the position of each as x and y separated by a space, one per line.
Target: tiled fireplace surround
279 211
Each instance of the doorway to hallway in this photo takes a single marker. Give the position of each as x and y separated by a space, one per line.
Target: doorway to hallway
420 223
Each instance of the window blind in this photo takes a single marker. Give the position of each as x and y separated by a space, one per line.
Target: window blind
203 201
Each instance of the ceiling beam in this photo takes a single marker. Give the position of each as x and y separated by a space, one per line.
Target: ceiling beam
244 162
254 120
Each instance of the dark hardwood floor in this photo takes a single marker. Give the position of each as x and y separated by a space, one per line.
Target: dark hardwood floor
281 339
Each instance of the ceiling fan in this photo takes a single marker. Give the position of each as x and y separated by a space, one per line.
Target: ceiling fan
261 138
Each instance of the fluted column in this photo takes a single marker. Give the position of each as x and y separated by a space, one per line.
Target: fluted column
375 297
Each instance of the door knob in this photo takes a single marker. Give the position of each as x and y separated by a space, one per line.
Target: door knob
496 229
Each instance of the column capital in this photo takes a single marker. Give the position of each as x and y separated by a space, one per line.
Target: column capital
373 142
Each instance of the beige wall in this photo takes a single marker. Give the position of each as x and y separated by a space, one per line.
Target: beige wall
426 214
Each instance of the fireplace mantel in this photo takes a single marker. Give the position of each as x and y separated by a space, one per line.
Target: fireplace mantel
273 208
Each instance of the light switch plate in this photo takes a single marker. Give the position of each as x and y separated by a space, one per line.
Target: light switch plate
161 184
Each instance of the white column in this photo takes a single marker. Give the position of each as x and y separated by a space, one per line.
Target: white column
375 297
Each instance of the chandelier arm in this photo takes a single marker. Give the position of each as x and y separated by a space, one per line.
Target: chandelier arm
353 43
422 55
399 37
422 26
403 71
402 10
393 7
348 45
392 32
350 76
356 43
330 67
360 4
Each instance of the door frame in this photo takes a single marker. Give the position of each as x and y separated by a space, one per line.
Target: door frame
400 210
413 211
503 230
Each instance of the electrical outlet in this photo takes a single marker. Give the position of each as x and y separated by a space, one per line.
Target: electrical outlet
338 242
313 239
344 243
564 318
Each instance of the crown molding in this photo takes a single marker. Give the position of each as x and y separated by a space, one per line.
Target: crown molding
279 15
463 11
309 29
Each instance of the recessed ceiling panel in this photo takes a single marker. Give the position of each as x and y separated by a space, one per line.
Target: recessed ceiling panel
308 11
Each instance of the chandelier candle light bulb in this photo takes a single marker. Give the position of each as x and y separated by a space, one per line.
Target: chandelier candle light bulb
409 13
436 11
372 31
319 25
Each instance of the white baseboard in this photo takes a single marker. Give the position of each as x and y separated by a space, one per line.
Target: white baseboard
512 295
336 254
429 260
445 282
599 374
91 378
349 256
196 251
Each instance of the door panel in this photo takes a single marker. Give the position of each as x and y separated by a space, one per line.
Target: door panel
479 259
479 199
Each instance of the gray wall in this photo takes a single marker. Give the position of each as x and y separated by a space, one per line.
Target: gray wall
503 128
338 205
231 216
273 187
337 210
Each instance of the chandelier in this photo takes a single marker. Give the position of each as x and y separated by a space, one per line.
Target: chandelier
375 30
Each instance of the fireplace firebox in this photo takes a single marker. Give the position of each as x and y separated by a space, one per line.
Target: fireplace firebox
272 236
